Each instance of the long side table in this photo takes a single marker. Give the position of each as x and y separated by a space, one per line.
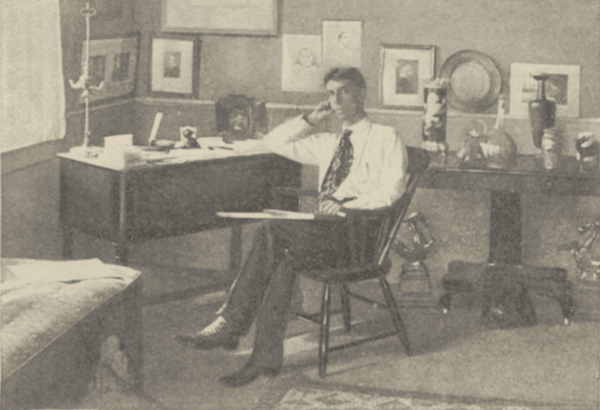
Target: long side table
526 176
149 201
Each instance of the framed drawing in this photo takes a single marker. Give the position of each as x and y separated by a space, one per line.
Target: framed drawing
175 66
301 68
562 86
112 67
342 43
404 69
244 17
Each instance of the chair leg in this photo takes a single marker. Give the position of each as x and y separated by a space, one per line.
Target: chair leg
346 308
324 327
395 314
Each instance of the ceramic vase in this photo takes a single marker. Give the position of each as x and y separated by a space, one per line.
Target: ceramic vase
542 112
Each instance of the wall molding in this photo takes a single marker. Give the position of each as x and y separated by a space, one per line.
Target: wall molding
373 111
80 111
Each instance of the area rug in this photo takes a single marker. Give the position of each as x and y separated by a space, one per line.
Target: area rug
314 399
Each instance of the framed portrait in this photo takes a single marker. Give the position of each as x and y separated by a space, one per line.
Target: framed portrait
404 70
112 67
243 17
562 86
342 43
240 117
175 66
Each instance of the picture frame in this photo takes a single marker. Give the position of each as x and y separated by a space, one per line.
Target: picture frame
240 117
238 17
562 86
404 70
342 43
113 67
175 66
108 10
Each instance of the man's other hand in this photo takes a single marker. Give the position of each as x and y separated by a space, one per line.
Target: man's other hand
330 206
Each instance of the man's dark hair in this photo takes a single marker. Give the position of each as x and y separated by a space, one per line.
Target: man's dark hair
350 74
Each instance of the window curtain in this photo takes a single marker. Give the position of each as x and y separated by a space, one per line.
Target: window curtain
32 93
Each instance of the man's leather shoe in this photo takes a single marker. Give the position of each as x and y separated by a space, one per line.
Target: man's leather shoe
217 334
247 374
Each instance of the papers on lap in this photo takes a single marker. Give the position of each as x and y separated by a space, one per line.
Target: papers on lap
279 214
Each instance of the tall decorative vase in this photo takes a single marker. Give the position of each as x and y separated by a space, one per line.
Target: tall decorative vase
542 112
434 118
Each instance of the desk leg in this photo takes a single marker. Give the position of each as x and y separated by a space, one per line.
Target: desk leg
67 250
505 228
235 249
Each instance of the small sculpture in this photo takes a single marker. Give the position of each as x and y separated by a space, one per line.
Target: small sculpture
113 384
588 149
471 149
415 283
590 269
188 138
422 241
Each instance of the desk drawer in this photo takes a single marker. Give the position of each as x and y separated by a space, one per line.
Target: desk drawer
170 201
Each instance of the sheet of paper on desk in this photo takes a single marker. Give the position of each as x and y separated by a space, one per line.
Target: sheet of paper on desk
239 147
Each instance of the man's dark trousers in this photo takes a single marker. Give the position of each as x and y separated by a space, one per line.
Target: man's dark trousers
263 287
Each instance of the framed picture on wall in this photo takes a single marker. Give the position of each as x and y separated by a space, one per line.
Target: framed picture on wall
562 86
404 69
342 43
247 17
175 66
112 67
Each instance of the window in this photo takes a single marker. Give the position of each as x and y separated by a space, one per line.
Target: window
32 86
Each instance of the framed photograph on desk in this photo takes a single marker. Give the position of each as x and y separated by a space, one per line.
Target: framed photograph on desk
175 66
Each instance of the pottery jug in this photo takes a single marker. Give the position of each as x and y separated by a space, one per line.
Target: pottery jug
542 112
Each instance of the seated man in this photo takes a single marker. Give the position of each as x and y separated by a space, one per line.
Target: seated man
363 167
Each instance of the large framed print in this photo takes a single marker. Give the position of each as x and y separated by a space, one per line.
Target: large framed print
112 67
175 66
244 17
404 70
562 86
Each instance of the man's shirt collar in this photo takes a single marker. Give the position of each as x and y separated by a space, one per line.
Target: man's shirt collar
358 127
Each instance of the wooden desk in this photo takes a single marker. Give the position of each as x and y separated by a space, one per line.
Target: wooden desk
527 176
146 202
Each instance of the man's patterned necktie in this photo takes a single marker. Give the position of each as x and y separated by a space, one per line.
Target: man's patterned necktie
339 168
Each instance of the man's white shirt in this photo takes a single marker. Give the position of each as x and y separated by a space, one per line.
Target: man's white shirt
378 173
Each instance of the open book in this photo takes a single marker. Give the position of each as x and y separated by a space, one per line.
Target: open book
279 214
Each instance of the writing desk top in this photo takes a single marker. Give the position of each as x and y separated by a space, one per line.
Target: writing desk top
118 160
